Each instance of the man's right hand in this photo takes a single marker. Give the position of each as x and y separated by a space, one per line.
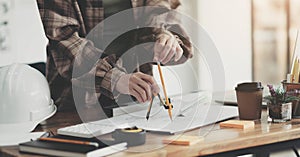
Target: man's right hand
139 85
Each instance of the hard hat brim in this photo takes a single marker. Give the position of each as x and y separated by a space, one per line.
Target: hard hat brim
25 127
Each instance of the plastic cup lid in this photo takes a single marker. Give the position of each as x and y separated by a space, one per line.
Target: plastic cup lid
249 86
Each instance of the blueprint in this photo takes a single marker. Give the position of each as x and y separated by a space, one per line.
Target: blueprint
190 111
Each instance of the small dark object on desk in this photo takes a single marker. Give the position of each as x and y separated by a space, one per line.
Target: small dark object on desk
133 136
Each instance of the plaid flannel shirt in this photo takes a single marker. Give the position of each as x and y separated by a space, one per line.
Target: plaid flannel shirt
66 24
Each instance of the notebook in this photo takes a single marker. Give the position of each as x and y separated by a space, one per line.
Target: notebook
71 150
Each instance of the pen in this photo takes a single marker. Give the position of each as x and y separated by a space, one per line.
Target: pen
164 89
69 141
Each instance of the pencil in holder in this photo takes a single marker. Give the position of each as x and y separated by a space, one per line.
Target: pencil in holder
294 88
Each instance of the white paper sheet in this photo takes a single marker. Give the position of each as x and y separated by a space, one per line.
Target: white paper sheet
15 139
189 112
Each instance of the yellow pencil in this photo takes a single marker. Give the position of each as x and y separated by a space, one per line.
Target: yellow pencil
293 69
296 71
69 141
295 57
165 91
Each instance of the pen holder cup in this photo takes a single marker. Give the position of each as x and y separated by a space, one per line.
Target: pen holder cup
289 87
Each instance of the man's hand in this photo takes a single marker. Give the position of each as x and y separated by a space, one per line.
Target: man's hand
139 85
166 48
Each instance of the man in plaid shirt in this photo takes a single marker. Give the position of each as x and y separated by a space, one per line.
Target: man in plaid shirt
67 23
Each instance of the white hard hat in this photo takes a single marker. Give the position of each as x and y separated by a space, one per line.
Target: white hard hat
24 99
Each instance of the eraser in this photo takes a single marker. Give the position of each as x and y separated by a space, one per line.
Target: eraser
184 140
240 124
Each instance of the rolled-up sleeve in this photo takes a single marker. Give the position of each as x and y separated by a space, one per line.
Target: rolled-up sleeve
76 58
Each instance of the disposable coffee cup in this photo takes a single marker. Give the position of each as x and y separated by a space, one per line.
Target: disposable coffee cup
249 98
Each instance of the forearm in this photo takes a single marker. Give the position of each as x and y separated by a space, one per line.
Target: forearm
102 78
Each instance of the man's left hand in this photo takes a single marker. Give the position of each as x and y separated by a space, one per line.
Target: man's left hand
167 48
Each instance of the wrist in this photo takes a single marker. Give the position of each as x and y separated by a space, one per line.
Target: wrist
162 33
122 85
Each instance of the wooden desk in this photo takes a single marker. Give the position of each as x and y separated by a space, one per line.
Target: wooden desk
221 142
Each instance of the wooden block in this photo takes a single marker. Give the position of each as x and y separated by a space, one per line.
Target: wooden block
240 124
184 140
